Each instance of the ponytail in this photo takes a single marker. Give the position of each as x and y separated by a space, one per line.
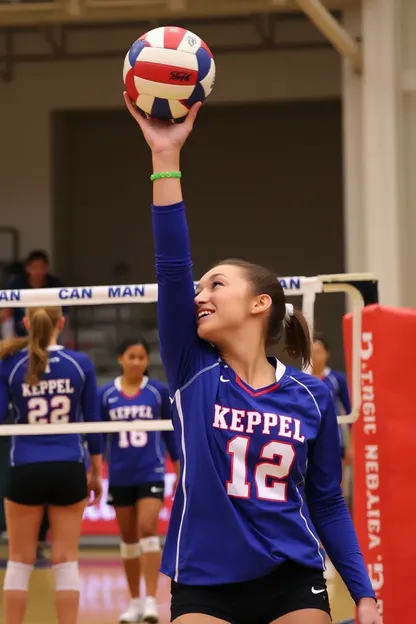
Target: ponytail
298 338
42 325
40 334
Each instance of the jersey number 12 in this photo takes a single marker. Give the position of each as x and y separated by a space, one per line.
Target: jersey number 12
264 471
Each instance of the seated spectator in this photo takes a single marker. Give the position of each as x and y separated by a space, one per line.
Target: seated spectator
35 275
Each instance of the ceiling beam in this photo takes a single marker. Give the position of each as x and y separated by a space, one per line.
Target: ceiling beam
333 31
96 11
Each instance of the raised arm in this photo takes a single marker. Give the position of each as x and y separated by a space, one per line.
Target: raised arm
180 347
329 512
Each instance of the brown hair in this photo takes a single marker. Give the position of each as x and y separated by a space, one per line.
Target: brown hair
43 322
295 328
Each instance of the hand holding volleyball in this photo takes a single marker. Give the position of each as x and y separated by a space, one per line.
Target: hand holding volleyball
162 136
166 71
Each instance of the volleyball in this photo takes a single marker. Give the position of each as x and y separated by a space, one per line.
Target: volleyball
167 70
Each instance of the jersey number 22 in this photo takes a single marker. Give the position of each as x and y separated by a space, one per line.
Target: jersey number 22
55 410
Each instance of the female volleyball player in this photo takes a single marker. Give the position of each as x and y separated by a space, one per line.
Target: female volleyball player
47 383
136 462
335 380
260 461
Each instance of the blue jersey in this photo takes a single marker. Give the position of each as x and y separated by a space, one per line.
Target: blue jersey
136 457
66 393
260 469
337 384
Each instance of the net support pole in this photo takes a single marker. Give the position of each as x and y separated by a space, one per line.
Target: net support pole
333 31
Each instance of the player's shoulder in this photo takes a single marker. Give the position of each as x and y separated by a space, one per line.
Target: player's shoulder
339 375
312 385
78 357
158 385
107 388
158 388
8 363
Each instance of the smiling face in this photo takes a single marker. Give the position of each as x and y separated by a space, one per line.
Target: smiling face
225 302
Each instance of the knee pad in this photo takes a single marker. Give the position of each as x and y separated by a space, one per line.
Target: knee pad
149 544
67 576
17 576
130 551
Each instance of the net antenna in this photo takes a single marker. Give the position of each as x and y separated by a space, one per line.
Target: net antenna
361 289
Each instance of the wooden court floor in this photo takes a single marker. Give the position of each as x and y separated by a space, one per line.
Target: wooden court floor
104 595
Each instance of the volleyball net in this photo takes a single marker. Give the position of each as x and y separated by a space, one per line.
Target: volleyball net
360 289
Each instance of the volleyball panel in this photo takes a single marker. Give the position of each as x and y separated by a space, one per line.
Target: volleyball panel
162 90
155 37
162 57
208 81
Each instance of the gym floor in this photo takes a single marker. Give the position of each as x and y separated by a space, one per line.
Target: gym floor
104 594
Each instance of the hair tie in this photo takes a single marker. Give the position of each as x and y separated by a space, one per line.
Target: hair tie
290 310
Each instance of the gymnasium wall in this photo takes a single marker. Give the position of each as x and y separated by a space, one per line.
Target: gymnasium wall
38 89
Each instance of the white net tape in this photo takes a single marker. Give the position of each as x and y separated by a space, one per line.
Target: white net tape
307 287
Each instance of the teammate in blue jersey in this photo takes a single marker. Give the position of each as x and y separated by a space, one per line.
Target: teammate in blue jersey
336 382
136 463
259 447
46 383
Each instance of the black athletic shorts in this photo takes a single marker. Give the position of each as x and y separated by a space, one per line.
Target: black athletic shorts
47 483
261 601
128 495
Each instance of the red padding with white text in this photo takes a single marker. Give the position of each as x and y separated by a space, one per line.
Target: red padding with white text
384 437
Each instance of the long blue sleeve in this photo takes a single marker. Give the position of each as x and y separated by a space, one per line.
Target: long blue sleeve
327 506
168 436
104 415
176 307
343 393
4 393
90 408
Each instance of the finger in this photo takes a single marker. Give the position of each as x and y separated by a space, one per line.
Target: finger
192 115
133 111
98 498
95 500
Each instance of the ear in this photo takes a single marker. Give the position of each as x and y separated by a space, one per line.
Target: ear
26 323
260 304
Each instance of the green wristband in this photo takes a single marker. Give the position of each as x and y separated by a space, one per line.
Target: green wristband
165 174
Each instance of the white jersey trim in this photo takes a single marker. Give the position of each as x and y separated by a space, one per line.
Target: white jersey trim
302 502
203 370
19 363
75 363
310 394
183 481
117 383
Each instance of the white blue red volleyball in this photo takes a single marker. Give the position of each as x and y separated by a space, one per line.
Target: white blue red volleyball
167 70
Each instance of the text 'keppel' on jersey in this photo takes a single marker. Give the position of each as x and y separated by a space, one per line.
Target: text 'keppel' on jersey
66 393
136 457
